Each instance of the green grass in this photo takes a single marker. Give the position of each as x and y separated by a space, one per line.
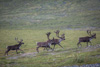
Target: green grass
49 14
61 57
30 20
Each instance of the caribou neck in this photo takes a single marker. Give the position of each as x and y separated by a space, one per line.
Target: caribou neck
49 44
60 40
90 38
20 44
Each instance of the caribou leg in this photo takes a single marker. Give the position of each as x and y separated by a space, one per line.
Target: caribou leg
79 43
87 44
37 49
16 52
50 48
47 47
54 46
7 51
60 45
21 50
90 43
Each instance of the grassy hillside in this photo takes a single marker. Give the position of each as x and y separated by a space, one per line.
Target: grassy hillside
49 14
30 20
67 56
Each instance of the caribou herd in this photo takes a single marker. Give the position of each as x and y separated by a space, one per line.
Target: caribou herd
50 42
47 44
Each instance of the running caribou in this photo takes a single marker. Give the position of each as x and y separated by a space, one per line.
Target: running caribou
46 44
14 47
58 41
87 38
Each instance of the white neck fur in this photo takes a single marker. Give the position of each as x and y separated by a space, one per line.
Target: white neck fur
60 40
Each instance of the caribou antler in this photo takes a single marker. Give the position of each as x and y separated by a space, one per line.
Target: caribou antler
46 44
18 40
14 47
58 41
48 34
57 33
87 38
89 32
63 35
21 40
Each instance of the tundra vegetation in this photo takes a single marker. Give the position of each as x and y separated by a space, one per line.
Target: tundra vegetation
70 54
30 20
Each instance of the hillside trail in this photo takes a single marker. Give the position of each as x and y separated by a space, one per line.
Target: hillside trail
55 52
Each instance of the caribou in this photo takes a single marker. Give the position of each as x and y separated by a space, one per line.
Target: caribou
87 38
14 47
58 41
46 44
